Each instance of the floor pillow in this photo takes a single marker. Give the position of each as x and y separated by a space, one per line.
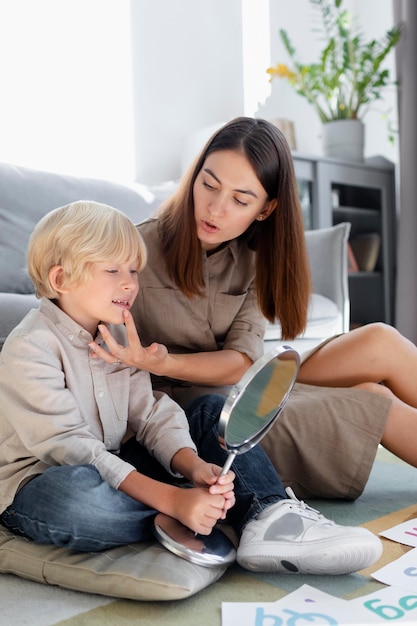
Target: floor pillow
140 571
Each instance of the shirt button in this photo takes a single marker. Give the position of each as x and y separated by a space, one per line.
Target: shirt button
70 337
100 394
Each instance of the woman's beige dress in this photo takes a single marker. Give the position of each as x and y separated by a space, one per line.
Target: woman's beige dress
324 442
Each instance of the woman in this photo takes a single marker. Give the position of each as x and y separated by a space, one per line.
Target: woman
225 254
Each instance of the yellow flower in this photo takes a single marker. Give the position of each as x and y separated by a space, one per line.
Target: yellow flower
280 71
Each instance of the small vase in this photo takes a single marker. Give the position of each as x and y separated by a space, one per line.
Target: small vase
344 139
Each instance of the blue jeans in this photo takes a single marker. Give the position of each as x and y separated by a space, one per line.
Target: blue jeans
71 506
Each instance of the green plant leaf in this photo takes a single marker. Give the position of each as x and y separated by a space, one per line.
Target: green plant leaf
348 75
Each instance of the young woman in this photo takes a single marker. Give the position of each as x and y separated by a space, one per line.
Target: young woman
227 252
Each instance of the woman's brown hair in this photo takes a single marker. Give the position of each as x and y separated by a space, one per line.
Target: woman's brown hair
282 268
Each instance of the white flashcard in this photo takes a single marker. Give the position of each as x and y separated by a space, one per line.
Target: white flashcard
405 533
389 605
306 605
400 573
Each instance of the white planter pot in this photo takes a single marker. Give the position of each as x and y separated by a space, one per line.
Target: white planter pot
344 139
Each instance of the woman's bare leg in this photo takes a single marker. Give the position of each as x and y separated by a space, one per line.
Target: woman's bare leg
400 434
372 353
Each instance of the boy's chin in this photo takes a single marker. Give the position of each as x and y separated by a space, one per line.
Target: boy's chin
114 320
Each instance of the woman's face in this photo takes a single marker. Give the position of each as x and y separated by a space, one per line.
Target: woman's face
228 197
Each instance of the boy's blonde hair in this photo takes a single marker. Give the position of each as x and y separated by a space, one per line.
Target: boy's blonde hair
77 235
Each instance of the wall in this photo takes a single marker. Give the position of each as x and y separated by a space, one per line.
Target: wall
65 86
189 79
116 88
187 74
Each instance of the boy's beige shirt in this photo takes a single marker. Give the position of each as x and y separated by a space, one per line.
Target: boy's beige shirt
59 406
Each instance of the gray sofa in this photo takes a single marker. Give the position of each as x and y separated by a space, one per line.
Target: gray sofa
27 194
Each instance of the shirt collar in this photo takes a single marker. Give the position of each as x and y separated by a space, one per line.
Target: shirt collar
69 327
230 248
62 321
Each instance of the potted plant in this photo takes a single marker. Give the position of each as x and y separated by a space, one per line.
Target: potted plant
346 80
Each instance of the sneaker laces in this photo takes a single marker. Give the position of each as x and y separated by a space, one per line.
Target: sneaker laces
307 508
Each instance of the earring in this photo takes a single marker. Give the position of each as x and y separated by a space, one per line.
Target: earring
260 218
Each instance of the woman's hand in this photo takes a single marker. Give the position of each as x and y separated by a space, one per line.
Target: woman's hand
134 354
217 368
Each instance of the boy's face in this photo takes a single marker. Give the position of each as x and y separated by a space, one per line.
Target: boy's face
111 290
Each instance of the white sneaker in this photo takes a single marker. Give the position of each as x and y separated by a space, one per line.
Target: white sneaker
292 537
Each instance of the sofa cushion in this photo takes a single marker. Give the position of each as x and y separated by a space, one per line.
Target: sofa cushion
323 320
327 252
141 571
14 233
26 195
14 307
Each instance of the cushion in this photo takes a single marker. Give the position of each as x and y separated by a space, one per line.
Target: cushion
26 195
141 571
327 252
13 308
324 320
14 234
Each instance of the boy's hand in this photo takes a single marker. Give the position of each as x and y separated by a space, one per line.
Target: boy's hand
134 354
198 509
208 474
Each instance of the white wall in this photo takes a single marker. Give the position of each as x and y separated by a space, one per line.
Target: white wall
187 63
193 73
68 102
65 86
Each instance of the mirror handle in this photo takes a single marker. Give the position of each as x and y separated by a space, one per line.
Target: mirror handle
228 463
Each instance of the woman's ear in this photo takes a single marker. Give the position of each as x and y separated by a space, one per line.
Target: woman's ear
269 207
56 278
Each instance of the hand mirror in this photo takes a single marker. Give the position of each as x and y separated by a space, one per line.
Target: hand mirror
249 412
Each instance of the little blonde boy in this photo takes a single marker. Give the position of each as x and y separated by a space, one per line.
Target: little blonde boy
67 475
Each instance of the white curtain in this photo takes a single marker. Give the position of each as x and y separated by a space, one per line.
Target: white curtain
406 62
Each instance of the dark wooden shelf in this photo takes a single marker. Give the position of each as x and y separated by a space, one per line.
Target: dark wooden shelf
364 195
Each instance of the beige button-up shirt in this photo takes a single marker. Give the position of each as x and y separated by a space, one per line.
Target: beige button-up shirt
226 317
59 406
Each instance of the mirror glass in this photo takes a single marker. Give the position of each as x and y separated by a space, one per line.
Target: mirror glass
252 406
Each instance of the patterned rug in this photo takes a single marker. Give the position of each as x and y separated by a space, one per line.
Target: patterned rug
390 498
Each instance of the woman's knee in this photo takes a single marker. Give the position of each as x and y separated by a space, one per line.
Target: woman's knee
377 388
380 335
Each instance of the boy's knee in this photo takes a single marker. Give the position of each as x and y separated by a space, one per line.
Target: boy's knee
207 404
